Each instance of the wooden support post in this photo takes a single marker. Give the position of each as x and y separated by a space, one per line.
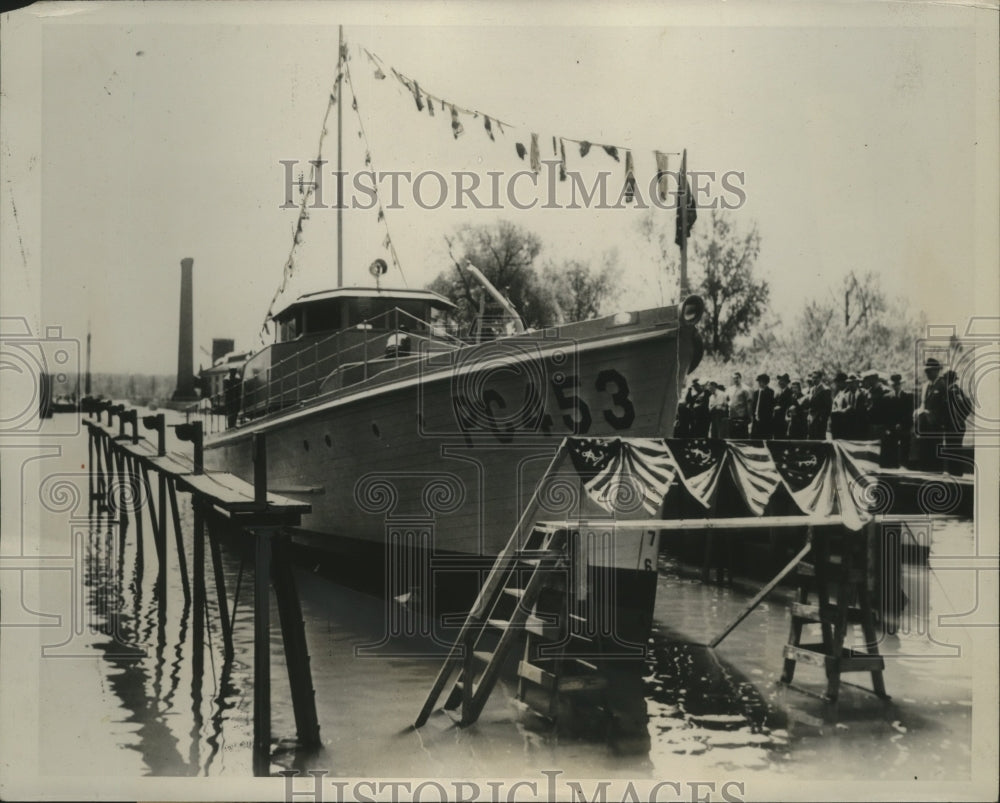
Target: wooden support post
750 606
135 497
179 539
262 655
90 471
161 513
199 586
220 586
294 637
155 521
122 478
157 422
193 432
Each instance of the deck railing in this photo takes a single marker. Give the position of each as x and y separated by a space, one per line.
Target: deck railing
329 365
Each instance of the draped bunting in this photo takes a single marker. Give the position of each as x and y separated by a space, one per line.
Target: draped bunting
624 475
824 478
755 474
701 463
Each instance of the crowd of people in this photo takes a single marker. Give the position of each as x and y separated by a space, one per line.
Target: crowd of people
909 426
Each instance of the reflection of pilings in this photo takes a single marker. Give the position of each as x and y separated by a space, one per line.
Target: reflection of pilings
220 586
222 704
217 499
261 657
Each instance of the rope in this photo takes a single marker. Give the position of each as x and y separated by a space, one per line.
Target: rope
368 160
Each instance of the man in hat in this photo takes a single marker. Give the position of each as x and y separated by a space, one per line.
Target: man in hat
929 418
795 415
739 408
870 407
843 407
779 414
819 407
763 407
717 411
897 424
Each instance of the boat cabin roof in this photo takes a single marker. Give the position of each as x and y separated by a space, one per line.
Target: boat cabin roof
435 300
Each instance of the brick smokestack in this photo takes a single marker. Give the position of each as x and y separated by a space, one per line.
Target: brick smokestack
185 338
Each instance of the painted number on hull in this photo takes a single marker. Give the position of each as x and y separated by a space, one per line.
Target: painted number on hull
619 398
483 415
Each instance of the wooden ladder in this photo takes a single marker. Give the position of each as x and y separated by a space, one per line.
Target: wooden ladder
560 656
837 576
503 611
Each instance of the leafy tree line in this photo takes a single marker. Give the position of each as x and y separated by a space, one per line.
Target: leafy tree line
855 326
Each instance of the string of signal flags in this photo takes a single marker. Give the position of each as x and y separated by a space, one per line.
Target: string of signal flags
530 145
527 147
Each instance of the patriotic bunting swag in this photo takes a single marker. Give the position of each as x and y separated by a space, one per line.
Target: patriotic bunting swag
823 478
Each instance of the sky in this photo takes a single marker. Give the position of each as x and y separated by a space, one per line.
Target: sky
866 136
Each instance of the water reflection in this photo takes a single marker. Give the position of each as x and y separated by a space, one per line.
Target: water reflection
186 710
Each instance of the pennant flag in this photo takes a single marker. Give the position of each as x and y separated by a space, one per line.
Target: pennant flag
521 150
536 164
700 464
457 129
562 160
662 167
611 151
584 148
417 98
489 127
687 213
629 178
754 471
430 106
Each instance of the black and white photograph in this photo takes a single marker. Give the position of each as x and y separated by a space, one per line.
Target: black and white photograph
453 401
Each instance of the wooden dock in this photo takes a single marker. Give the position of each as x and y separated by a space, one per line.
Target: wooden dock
122 468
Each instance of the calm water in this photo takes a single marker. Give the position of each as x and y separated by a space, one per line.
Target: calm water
120 697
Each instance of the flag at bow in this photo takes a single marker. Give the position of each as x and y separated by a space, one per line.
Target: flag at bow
687 212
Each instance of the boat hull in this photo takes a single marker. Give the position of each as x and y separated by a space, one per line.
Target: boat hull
450 454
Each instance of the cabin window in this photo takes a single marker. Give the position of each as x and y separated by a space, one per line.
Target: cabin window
324 316
290 327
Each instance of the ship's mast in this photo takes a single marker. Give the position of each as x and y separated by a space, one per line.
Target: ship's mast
683 213
340 158
87 380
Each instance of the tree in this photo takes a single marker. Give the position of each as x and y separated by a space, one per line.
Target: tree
506 254
855 329
580 291
734 299
722 265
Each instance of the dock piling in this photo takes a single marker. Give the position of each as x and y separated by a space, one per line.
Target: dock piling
220 502
262 654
